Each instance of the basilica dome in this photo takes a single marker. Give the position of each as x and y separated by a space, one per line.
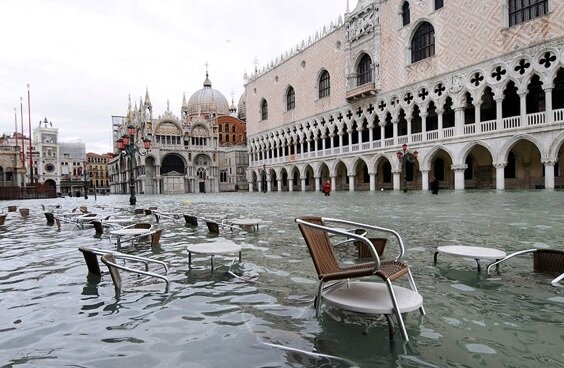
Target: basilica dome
207 100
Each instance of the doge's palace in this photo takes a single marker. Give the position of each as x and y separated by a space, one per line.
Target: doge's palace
471 91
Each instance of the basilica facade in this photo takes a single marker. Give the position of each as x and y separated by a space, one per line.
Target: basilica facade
398 92
203 149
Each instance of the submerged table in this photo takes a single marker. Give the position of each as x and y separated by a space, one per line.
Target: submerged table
128 232
221 246
477 253
247 223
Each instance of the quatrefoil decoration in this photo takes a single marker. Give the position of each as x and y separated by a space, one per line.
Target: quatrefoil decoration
408 97
477 79
349 114
359 112
382 105
423 94
547 59
522 66
439 89
394 101
370 108
498 73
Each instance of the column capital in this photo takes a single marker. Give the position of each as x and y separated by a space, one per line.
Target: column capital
500 165
459 167
549 162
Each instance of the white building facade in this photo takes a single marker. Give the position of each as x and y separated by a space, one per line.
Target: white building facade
475 87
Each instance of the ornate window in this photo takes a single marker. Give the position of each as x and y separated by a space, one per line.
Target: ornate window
364 71
439 4
264 110
405 16
290 99
522 10
423 42
324 84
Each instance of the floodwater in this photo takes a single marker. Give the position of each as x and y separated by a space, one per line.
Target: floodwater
261 314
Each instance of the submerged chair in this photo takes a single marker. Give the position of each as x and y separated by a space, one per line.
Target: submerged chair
110 259
549 261
366 297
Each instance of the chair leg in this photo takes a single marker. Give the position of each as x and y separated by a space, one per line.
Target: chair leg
414 288
397 311
391 327
317 302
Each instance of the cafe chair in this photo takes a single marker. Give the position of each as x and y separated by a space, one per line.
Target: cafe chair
547 261
110 260
341 286
91 258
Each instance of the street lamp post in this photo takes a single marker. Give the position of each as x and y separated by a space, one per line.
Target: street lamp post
85 183
405 156
128 148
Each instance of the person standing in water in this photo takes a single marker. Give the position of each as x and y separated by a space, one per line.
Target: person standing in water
327 188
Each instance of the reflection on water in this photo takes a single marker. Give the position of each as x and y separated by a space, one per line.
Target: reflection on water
261 315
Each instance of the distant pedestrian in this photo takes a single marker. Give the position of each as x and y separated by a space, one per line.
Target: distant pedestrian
434 185
327 188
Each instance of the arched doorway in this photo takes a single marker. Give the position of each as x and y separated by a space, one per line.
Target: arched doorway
480 172
173 170
524 169
202 167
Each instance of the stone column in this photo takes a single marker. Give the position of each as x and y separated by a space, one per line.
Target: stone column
523 106
408 119
323 143
372 180
440 123
370 133
290 184
477 116
351 183
549 174
332 141
423 115
424 179
459 121
317 183
500 175
303 182
268 183
383 133
549 117
316 145
279 185
499 112
340 140
459 176
334 183
397 179
395 126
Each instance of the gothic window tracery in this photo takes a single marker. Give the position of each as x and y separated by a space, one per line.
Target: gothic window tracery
405 14
264 110
290 99
324 84
364 70
423 42
521 11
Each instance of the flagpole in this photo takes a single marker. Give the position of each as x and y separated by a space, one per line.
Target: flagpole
23 137
30 147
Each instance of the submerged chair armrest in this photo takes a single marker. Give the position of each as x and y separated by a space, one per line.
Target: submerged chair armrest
372 227
124 256
352 236
491 265
124 268
556 281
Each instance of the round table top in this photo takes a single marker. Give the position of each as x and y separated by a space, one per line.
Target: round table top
217 247
371 297
472 252
130 231
245 222
118 221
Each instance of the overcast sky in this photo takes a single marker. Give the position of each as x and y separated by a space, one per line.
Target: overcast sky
83 58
